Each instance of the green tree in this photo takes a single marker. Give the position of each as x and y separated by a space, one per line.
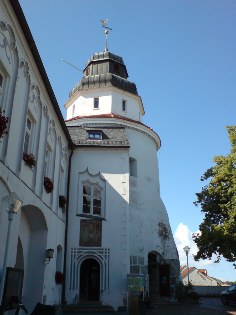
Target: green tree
218 201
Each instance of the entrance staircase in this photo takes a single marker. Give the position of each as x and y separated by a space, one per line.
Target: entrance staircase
87 307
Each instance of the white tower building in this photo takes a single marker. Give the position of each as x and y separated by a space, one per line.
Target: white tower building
117 222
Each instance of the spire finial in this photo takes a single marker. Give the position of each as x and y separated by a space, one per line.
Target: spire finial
107 29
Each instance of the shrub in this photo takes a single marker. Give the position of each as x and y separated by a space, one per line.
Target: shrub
186 293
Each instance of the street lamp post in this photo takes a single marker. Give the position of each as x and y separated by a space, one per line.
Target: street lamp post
187 250
13 204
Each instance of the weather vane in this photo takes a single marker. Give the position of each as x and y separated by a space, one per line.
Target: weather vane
107 29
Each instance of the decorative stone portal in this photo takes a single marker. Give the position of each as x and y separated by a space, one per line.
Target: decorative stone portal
78 257
89 280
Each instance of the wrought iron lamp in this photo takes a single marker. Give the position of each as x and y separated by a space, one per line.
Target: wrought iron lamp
49 254
12 204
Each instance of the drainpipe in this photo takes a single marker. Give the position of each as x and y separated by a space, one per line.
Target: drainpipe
63 293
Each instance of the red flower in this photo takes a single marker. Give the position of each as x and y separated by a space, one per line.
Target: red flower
59 277
29 159
3 123
62 201
48 185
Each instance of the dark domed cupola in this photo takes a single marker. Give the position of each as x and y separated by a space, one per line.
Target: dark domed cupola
105 69
105 62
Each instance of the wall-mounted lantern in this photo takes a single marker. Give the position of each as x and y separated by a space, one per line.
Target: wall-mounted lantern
49 254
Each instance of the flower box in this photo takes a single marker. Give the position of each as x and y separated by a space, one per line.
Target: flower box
59 277
62 201
3 123
29 159
48 185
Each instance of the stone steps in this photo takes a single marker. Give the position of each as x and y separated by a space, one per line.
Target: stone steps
85 308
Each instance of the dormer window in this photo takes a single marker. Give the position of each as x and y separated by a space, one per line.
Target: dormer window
94 135
124 105
96 103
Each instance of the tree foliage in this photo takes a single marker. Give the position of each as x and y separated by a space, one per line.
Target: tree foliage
218 202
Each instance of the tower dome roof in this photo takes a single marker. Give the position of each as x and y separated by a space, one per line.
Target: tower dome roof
105 69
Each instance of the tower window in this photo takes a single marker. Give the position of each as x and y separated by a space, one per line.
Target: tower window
124 107
133 167
95 135
96 103
73 110
116 69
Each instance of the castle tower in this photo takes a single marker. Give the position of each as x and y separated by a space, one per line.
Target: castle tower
118 224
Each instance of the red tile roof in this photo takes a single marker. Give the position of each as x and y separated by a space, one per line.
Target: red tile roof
184 273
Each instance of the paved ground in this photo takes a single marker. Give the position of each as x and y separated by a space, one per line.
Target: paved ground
206 306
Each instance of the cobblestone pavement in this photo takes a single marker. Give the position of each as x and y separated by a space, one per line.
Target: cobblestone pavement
206 306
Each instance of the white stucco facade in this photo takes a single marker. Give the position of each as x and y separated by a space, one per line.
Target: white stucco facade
40 223
110 101
197 277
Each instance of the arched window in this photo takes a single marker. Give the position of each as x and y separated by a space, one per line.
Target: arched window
92 199
29 134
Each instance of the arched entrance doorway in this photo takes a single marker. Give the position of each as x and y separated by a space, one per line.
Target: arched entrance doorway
90 280
31 248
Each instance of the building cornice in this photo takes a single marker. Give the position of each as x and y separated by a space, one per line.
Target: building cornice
113 120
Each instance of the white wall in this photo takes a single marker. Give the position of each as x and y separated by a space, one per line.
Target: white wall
25 91
110 101
199 279
146 206
112 164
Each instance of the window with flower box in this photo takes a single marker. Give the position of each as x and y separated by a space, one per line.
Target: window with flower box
48 160
62 182
62 195
29 134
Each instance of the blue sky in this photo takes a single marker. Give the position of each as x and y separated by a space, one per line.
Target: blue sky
181 55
